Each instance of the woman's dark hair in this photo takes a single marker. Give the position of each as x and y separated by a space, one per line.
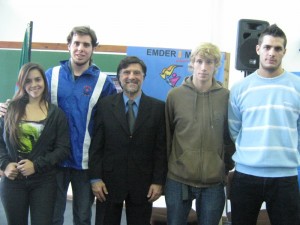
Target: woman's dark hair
17 106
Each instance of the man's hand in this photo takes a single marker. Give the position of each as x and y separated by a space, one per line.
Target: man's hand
11 171
3 107
154 192
99 190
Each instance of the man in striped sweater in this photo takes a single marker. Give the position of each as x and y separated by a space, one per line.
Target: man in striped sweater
264 120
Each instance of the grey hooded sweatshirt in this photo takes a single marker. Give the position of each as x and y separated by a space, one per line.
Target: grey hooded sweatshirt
197 134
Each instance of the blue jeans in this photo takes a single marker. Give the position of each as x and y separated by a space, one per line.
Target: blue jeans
209 203
37 193
280 194
83 197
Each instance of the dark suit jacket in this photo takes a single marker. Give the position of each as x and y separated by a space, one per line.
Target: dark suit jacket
129 164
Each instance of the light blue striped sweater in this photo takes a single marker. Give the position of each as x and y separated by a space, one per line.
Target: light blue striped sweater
264 123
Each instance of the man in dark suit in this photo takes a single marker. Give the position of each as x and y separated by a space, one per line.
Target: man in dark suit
128 165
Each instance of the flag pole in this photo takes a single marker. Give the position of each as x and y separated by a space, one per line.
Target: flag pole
26 48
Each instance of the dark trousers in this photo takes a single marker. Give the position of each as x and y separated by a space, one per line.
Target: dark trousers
83 197
35 193
111 213
280 194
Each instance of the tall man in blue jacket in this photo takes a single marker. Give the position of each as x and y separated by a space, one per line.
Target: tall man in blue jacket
128 165
76 85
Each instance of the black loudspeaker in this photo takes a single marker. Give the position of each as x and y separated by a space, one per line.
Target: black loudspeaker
247 37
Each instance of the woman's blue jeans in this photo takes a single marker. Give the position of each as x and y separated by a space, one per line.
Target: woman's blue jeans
33 194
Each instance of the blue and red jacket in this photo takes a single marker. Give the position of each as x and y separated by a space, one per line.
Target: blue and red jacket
77 98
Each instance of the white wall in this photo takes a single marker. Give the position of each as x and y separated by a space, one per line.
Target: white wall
156 23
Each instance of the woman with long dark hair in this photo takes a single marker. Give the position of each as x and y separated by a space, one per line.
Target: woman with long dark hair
34 140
